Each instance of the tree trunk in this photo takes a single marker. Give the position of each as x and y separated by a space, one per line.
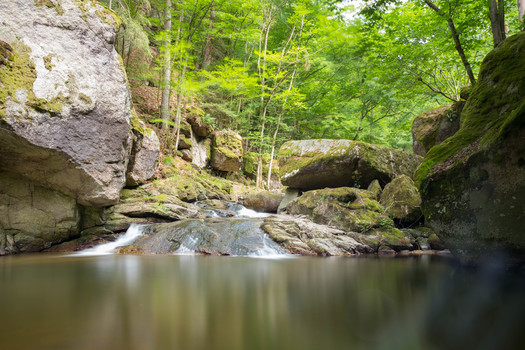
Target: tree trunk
457 42
521 9
261 68
166 81
497 21
206 60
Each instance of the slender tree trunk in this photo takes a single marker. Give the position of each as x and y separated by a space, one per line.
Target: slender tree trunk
521 9
166 81
457 42
206 60
178 112
110 1
261 68
497 21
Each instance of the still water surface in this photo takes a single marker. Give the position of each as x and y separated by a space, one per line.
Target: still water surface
198 302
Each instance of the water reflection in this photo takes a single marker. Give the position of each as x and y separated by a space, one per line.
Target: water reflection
196 302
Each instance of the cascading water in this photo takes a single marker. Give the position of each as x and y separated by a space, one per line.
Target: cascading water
235 231
133 232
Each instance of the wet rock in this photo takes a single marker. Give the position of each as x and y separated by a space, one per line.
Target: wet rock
144 155
217 236
473 184
60 127
315 164
264 201
402 201
226 151
301 236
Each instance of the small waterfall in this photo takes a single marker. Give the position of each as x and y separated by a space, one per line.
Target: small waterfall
133 232
269 250
243 212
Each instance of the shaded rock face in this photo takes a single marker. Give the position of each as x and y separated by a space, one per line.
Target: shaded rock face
402 201
144 156
314 164
33 217
265 201
226 151
473 184
64 99
433 127
199 127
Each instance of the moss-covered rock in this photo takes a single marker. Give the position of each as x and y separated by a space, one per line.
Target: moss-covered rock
314 164
473 184
345 208
301 236
433 127
226 151
402 201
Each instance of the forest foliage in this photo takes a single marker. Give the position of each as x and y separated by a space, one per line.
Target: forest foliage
276 70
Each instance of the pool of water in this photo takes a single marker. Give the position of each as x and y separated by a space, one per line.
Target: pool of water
203 302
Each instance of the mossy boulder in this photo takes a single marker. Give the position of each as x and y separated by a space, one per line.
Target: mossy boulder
314 164
433 127
345 208
226 151
402 201
265 201
473 184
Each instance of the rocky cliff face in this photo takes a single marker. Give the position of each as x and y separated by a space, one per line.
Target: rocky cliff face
473 184
65 134
64 99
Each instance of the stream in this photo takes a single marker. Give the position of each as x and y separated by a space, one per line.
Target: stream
99 300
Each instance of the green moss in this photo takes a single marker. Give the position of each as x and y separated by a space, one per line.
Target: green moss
47 62
85 98
496 105
57 5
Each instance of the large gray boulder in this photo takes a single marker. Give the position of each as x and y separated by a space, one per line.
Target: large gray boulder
473 184
314 164
64 99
